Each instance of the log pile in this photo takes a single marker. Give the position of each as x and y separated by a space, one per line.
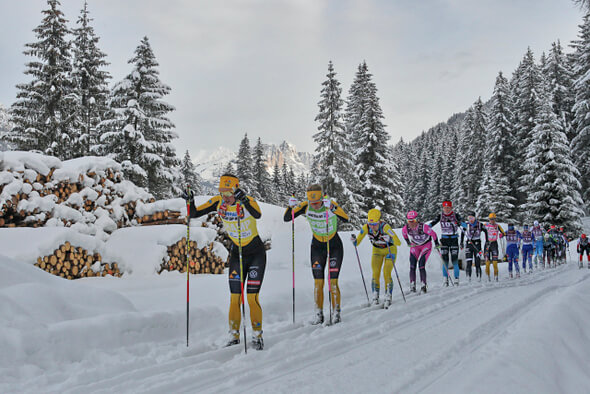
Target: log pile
72 262
163 217
201 261
31 199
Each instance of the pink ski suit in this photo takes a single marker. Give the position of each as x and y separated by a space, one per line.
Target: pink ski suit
419 239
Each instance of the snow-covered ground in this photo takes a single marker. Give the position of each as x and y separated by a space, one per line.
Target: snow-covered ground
111 335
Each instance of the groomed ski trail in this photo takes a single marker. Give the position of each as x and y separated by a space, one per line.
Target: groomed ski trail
423 329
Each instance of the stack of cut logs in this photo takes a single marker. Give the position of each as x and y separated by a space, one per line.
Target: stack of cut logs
201 261
102 195
72 262
165 217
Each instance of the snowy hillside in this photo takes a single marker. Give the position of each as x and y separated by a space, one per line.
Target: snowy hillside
127 335
210 164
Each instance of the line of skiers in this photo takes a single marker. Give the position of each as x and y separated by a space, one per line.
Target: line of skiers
247 260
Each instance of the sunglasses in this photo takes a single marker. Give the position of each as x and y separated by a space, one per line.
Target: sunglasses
412 220
227 194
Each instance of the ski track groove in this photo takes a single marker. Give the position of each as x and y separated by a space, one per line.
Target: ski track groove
425 306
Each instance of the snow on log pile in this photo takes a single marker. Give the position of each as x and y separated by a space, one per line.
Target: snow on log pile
88 193
62 252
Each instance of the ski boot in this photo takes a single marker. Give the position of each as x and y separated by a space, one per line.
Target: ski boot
496 277
469 276
375 300
318 318
413 287
518 274
257 342
511 275
423 289
234 338
456 281
387 301
336 317
446 282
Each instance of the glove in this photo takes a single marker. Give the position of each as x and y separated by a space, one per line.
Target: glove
222 210
437 245
293 202
461 246
187 195
353 239
240 195
327 202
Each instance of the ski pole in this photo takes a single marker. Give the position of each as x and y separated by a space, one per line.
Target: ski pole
362 276
238 209
328 250
188 237
396 275
293 249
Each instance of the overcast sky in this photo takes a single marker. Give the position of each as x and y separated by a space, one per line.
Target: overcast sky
257 66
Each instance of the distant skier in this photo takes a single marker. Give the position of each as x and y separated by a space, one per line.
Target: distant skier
315 210
450 223
538 233
418 236
472 238
253 252
583 246
564 245
513 240
552 240
528 240
494 232
385 243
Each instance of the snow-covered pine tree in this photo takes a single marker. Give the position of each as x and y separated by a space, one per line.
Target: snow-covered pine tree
551 181
42 112
5 126
373 155
244 166
90 84
137 132
189 175
434 196
495 190
526 84
449 158
287 179
469 162
260 174
558 73
580 144
333 154
277 187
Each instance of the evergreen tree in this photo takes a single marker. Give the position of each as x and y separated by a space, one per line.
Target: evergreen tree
42 113
581 142
278 193
137 132
244 165
260 174
559 75
333 158
189 175
373 155
288 180
527 84
495 189
90 84
551 183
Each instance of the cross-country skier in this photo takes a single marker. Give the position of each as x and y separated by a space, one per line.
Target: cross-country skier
583 246
472 237
253 252
513 240
315 210
538 234
450 223
494 232
564 244
385 243
528 240
552 239
418 237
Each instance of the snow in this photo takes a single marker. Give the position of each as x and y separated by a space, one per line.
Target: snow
123 335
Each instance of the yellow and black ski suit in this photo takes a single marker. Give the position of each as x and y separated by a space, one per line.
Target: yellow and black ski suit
253 254
323 233
385 243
